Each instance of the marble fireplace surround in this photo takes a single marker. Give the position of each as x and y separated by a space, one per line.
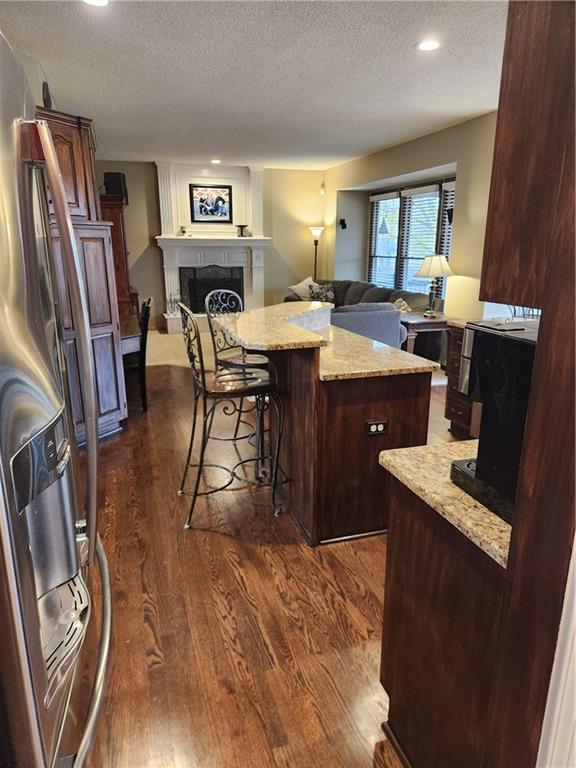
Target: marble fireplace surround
215 243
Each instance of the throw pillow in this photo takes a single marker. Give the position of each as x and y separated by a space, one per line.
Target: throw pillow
356 291
376 294
302 290
322 292
401 305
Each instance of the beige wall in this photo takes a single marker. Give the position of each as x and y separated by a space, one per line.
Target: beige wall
142 221
292 203
469 145
351 244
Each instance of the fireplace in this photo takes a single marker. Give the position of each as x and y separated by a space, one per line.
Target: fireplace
197 282
237 259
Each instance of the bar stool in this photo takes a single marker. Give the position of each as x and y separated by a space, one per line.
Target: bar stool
227 352
226 385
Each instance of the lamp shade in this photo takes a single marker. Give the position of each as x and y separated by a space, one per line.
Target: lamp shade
316 232
434 266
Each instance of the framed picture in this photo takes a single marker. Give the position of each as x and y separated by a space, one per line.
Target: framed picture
210 204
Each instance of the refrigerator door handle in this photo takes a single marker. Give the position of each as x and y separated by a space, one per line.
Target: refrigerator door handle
97 695
75 280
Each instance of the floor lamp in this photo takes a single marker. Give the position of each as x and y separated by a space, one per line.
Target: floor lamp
433 268
316 232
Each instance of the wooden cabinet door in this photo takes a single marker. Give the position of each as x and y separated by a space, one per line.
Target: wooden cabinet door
72 137
112 208
68 145
94 243
442 606
95 246
534 134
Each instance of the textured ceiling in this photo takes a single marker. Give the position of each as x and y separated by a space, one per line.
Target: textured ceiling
276 84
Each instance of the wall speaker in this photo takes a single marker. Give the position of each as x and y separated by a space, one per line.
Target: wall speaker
46 95
115 184
342 223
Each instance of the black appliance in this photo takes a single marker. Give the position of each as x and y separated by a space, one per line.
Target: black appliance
115 184
496 370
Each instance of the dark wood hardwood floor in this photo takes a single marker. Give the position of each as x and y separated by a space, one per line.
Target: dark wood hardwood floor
234 644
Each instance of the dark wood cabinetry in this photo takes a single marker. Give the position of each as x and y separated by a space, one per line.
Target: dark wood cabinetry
439 644
74 145
497 634
336 488
534 134
95 247
112 207
463 414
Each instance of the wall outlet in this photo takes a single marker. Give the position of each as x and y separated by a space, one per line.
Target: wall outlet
376 427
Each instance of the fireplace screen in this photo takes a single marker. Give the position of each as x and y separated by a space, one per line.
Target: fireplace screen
197 282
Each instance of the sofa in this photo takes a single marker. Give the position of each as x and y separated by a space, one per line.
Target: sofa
368 310
379 321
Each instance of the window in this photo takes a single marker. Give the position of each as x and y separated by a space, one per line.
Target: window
406 226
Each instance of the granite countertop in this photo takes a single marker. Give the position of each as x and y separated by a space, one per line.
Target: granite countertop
291 325
425 470
306 324
350 356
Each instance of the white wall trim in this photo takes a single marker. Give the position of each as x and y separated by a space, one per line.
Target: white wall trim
558 738
173 191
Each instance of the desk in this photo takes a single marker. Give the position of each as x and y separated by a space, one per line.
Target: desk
129 335
416 324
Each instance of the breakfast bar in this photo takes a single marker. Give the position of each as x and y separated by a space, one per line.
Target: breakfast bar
346 398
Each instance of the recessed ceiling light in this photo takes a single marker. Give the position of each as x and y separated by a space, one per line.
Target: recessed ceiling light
428 45
215 161
96 2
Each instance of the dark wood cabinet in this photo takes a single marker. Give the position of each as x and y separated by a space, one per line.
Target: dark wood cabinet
442 608
335 487
74 145
463 414
112 208
95 247
534 134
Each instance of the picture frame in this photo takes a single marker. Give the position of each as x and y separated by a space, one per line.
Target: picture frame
210 203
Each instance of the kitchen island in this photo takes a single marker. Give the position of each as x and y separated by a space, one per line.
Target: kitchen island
346 398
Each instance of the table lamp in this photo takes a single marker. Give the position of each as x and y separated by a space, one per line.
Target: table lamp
433 268
316 232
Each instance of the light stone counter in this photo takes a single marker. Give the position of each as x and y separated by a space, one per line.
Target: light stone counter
425 470
350 356
306 324
291 325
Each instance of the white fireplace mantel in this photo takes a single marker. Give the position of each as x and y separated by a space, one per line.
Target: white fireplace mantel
214 243
192 241
192 251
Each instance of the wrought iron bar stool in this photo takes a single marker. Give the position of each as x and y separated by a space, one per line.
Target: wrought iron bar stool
226 386
227 352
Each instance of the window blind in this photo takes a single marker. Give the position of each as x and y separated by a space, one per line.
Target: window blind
444 246
406 225
384 224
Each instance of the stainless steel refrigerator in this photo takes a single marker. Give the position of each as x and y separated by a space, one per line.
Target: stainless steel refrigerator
48 519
